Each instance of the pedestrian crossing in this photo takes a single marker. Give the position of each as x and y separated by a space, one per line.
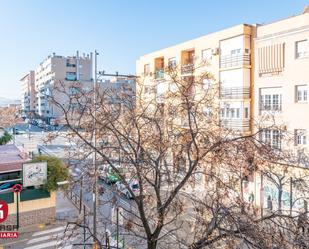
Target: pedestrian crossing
51 238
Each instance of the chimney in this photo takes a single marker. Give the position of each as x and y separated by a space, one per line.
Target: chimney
306 10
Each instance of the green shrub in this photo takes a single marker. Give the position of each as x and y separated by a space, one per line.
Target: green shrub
56 171
5 138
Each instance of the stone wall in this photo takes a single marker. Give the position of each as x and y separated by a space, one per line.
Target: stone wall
40 216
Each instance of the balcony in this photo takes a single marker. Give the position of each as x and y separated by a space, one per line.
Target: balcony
234 92
159 74
187 69
238 60
236 124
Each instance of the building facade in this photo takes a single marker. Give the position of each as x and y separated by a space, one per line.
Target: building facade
28 94
282 83
226 55
260 71
58 72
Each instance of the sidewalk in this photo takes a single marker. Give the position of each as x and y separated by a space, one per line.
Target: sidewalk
65 211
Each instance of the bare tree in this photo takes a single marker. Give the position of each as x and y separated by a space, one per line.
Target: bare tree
190 166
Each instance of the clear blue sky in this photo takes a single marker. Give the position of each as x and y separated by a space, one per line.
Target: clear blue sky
121 30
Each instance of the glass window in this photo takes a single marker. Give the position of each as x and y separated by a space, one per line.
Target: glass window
267 102
246 112
71 76
301 49
172 62
276 102
146 69
206 84
300 137
301 93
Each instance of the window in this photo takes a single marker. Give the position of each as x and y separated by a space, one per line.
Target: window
70 64
301 49
146 69
270 102
71 76
207 111
271 137
233 113
206 84
172 62
300 137
150 89
246 112
301 94
206 54
235 51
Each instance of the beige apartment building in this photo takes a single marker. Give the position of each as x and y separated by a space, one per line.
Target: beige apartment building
281 82
56 72
28 93
226 55
261 73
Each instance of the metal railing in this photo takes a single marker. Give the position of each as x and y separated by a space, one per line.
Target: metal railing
159 74
188 68
235 60
234 92
237 124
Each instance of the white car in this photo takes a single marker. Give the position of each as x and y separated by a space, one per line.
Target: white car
134 186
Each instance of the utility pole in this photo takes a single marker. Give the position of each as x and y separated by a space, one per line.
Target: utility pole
95 187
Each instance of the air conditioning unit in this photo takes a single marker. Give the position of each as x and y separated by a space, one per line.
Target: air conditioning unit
215 51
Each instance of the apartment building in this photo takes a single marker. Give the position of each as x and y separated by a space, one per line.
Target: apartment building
263 82
59 72
226 55
282 83
28 93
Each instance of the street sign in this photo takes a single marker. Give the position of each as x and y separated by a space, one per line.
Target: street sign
17 188
4 210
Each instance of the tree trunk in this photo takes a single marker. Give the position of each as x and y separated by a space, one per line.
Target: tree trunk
152 244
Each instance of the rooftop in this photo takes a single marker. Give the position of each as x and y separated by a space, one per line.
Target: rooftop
11 158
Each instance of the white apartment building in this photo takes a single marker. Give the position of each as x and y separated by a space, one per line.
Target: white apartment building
56 71
28 94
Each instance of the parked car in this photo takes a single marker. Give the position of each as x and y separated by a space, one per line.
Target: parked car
133 185
108 174
7 185
17 131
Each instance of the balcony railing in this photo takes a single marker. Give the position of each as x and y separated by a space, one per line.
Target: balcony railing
234 60
234 92
159 74
186 69
236 124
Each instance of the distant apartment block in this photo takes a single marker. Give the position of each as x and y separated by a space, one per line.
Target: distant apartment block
28 93
58 72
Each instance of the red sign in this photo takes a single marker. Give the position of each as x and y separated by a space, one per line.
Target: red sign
4 211
17 188
8 235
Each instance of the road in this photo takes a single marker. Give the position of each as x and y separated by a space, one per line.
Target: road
107 201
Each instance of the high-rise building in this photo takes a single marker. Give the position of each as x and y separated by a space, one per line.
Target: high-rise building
27 94
57 72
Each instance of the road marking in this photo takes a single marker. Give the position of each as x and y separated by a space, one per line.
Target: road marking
57 229
44 245
47 237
